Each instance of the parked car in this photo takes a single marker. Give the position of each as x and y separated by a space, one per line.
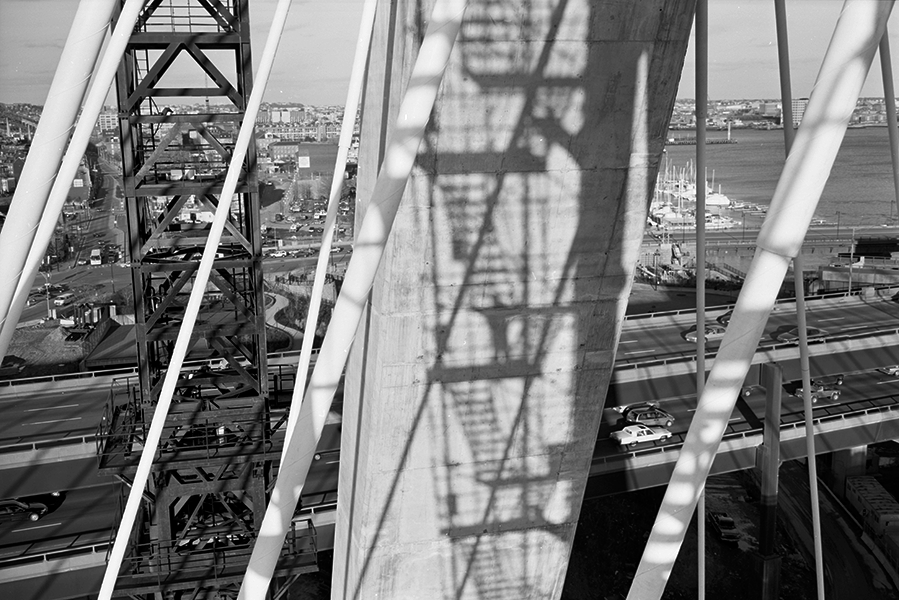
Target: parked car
631 435
648 413
812 333
11 365
30 508
724 526
713 333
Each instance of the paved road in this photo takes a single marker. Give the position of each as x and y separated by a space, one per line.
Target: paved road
51 414
85 516
662 336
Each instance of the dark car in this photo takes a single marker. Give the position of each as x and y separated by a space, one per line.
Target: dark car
648 413
31 508
724 526
824 388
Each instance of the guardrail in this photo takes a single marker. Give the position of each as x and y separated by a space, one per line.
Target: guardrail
128 371
303 518
690 356
43 443
725 307
74 549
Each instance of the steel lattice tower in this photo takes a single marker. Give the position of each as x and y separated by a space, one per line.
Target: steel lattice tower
208 491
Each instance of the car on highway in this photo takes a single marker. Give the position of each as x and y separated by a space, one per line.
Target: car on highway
748 390
713 333
724 526
823 388
30 508
725 318
812 333
647 413
892 370
631 435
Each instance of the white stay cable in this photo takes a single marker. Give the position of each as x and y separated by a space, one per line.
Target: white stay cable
354 92
193 305
371 239
786 95
832 102
76 63
702 106
889 101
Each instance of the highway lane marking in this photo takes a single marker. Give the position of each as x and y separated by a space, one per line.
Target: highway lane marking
37 527
628 341
52 407
888 381
639 351
53 421
832 319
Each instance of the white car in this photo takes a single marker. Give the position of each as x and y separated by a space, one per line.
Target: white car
634 434
713 333
812 334
892 370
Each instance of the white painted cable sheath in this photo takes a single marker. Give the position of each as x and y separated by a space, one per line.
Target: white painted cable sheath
889 100
353 95
845 66
786 95
702 111
371 239
76 63
809 426
193 304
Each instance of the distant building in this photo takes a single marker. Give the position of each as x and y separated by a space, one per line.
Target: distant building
108 122
769 109
799 106
283 150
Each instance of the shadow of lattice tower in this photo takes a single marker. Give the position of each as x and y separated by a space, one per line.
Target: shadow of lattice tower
475 389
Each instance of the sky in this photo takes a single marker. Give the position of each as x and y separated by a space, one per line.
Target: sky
315 55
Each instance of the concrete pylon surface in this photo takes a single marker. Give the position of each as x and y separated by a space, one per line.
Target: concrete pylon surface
475 387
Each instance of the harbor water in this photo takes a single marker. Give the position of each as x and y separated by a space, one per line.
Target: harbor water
860 187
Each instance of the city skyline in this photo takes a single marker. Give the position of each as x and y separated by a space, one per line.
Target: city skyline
315 54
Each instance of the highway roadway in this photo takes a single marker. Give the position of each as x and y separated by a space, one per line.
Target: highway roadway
48 415
85 517
749 412
56 414
662 336
642 339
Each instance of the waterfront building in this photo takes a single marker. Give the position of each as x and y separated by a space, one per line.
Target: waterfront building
799 105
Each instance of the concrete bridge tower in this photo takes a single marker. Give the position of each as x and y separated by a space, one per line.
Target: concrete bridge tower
476 382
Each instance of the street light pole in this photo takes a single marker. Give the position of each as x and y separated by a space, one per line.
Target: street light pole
838 224
47 290
851 258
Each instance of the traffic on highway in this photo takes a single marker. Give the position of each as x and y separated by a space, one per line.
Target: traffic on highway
649 407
